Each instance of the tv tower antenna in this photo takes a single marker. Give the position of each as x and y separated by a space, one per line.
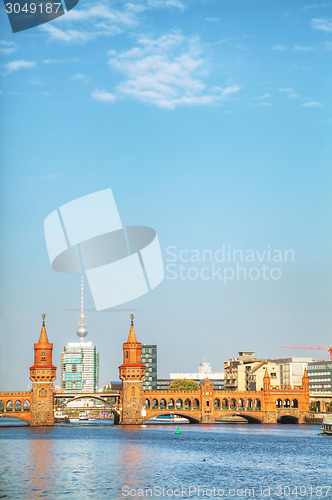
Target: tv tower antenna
82 330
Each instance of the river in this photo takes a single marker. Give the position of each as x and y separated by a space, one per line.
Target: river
79 461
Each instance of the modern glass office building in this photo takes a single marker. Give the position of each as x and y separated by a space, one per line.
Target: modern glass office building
149 359
79 367
320 376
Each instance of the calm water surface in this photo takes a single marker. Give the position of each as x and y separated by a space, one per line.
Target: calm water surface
114 462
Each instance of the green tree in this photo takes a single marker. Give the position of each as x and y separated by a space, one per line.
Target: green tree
183 384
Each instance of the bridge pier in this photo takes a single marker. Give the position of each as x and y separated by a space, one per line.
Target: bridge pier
208 419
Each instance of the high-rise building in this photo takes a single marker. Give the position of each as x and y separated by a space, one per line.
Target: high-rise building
149 359
80 362
292 369
320 376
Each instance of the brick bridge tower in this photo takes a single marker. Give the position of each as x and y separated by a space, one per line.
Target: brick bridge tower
132 373
42 374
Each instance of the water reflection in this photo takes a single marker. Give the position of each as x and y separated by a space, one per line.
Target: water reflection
40 468
133 458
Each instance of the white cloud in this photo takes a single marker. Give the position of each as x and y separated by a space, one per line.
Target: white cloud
289 92
166 3
262 97
7 47
303 48
17 65
82 25
322 24
80 77
68 36
212 19
311 104
317 6
92 22
102 95
167 72
279 47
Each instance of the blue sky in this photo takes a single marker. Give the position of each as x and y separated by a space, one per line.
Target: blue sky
211 122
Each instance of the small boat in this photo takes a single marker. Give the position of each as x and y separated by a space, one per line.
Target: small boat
169 419
61 418
327 426
83 416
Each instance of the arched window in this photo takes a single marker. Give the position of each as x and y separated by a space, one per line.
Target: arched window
127 354
133 390
43 356
42 393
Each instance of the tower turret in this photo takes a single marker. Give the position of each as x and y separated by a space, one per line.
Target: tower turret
42 374
132 373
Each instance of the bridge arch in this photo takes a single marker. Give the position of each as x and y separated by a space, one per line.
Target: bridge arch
288 419
191 418
187 404
23 417
18 405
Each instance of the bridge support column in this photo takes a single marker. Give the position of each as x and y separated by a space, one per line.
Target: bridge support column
207 419
132 402
42 411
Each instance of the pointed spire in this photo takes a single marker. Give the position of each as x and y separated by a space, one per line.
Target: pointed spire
305 374
43 335
132 339
266 375
82 330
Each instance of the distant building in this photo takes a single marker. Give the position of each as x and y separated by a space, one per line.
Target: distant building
292 369
203 371
149 359
163 384
320 376
246 372
80 362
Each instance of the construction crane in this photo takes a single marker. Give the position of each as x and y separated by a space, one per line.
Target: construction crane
321 348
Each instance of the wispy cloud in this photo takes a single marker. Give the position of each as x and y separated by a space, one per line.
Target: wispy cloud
311 104
167 72
322 24
212 19
166 3
80 77
92 22
279 47
316 6
303 48
103 96
82 25
7 47
67 36
262 97
289 92
17 65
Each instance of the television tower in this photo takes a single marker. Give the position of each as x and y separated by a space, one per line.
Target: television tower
82 330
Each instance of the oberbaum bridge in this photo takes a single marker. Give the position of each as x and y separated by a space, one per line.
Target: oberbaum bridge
134 405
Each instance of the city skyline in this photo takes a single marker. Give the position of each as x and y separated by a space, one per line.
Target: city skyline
211 123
